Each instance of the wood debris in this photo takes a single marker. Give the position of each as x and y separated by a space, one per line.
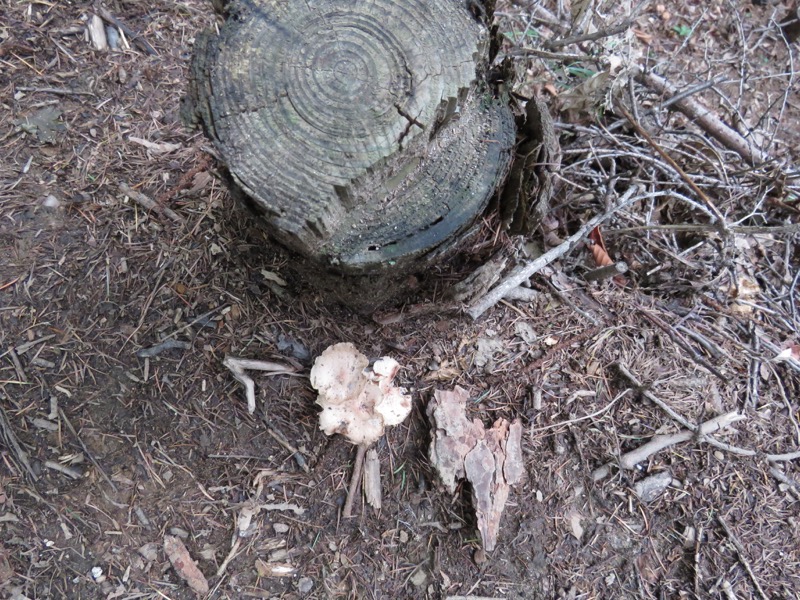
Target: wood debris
491 460
184 565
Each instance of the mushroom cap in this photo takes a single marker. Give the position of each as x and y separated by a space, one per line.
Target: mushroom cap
357 402
338 373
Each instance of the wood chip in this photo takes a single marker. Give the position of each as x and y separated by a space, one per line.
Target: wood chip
183 564
372 479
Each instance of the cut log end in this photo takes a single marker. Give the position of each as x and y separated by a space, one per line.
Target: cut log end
366 133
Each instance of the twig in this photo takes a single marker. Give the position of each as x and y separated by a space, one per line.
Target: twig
597 413
157 349
699 227
564 297
523 272
17 366
136 38
629 460
231 555
786 457
680 341
742 557
56 91
618 268
705 119
237 367
202 317
86 451
149 204
355 481
721 225
588 37
298 457
551 55
68 471
794 486
10 441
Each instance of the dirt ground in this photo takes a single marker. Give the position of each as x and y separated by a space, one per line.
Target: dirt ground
124 448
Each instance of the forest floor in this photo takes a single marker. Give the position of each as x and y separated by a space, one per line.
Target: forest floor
128 440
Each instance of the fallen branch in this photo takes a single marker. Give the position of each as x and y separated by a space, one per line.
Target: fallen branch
773 458
742 557
523 272
237 367
149 204
630 459
705 119
136 38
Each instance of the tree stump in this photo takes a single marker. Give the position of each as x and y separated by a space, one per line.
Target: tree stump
366 133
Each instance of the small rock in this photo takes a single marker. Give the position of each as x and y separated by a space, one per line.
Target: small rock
652 487
305 585
419 578
51 202
280 527
178 532
112 36
149 551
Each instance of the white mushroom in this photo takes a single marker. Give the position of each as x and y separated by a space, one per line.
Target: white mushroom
357 402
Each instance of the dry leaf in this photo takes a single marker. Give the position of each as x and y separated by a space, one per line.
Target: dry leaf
6 572
643 37
155 147
183 564
270 276
576 529
747 290
550 89
273 569
790 353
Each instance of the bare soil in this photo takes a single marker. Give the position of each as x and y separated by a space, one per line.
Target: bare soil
124 449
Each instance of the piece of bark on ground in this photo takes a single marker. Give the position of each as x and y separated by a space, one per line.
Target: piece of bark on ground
491 460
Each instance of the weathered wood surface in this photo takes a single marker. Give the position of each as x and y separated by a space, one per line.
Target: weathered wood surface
364 130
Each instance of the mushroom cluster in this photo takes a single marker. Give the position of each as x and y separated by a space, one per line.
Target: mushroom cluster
357 401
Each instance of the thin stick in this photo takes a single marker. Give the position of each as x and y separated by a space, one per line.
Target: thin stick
721 225
56 91
237 367
774 458
10 440
629 460
742 557
149 204
588 37
347 512
523 272
86 450
705 119
135 37
298 457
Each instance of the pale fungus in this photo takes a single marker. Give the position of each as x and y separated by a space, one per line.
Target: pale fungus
357 402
